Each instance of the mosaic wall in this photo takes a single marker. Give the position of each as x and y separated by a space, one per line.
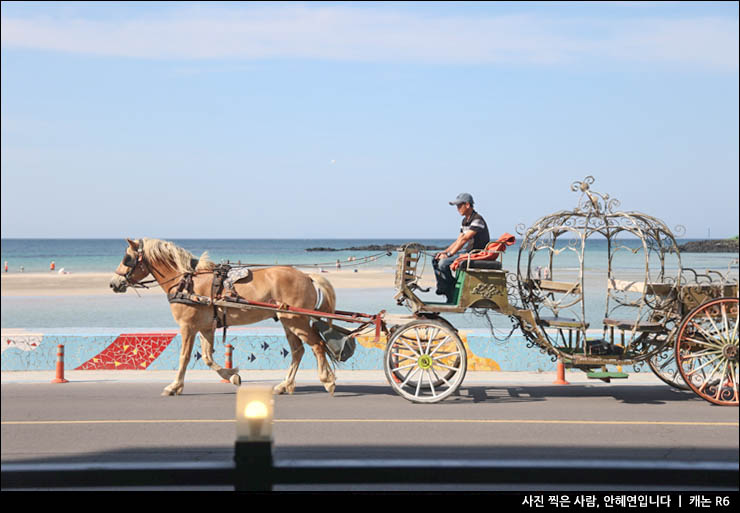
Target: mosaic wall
251 350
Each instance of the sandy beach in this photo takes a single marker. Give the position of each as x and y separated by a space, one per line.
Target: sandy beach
87 284
91 284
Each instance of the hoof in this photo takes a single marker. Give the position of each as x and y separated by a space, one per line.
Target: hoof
227 373
236 380
172 391
330 387
283 388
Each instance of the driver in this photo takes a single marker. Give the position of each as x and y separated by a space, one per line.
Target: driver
473 235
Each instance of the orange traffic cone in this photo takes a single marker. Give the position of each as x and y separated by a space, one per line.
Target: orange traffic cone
561 374
227 365
60 366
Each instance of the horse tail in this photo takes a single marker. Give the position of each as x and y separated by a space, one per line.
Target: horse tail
326 302
328 298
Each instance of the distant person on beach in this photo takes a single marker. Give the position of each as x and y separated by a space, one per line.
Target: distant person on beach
473 235
6 266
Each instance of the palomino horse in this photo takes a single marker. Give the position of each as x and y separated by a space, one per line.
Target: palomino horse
167 263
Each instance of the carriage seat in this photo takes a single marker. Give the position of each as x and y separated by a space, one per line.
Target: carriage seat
556 286
630 325
562 322
658 289
490 265
489 254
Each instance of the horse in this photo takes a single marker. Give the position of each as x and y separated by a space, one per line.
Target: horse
281 285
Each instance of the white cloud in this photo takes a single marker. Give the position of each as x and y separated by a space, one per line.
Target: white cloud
383 34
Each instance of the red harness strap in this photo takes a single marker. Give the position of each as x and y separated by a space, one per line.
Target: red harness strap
492 251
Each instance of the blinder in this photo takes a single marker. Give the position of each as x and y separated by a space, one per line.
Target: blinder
129 261
132 262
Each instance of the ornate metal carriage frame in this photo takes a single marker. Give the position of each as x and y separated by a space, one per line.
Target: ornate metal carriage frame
645 320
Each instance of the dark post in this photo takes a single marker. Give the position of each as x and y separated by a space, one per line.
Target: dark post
254 471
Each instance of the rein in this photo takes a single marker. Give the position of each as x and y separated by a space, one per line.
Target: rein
140 259
360 261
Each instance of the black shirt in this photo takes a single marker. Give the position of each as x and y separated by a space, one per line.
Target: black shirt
479 226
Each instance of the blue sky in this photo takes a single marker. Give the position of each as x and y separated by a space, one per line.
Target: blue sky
291 120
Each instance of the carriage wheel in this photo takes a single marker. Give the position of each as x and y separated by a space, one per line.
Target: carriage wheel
425 361
707 351
663 365
400 373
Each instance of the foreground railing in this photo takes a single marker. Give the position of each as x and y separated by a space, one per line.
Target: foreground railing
257 472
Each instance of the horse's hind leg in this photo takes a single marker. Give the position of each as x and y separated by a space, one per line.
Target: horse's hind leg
300 327
326 376
296 352
188 337
206 345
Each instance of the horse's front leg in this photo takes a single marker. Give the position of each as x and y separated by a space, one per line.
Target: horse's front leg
206 345
188 337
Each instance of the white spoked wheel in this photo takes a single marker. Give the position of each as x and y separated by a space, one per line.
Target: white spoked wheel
425 361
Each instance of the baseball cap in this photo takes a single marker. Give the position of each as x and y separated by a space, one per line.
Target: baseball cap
463 197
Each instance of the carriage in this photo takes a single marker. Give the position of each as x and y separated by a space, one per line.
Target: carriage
680 323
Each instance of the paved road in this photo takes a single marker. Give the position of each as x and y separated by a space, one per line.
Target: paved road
121 417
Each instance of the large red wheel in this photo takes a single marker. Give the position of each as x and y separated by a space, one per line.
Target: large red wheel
663 365
707 351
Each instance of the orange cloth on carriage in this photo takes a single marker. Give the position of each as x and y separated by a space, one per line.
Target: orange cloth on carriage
490 253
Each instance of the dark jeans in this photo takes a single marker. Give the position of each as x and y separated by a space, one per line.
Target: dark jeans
445 279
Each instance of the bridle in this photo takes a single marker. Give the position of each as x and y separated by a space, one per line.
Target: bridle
135 262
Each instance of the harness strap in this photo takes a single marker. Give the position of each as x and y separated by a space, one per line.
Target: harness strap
186 298
184 295
219 274
319 296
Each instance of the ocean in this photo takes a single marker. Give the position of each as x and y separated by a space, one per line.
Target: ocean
104 255
151 311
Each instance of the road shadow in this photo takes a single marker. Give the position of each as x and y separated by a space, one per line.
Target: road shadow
627 394
347 390
481 393
467 393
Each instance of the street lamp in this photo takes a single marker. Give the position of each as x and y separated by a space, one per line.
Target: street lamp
253 449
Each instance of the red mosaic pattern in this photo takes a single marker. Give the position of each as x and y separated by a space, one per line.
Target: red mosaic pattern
130 352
